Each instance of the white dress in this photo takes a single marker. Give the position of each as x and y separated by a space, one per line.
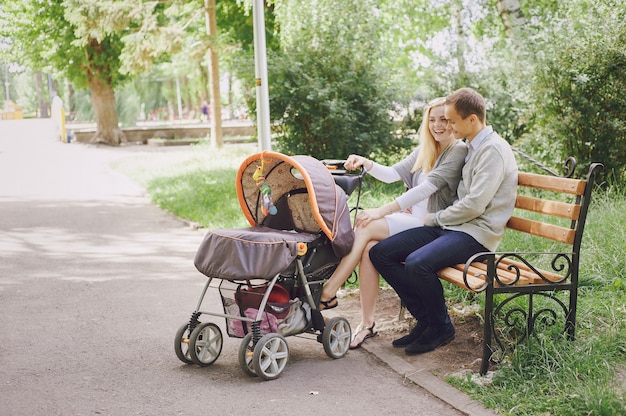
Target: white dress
400 221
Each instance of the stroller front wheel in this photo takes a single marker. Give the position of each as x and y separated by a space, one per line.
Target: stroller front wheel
246 354
205 344
271 355
181 344
336 337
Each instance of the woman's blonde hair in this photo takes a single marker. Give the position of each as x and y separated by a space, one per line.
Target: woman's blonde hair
430 149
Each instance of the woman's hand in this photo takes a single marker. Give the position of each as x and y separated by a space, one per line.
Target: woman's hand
355 161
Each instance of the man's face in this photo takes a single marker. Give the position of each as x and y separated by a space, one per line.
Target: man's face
461 128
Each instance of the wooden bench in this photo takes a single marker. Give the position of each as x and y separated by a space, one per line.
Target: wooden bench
553 210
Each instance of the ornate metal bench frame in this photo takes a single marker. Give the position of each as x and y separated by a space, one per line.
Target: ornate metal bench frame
513 275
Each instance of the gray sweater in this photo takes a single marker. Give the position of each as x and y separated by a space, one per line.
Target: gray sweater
445 175
486 194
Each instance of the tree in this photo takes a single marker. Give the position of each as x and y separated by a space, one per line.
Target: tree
579 85
93 43
329 93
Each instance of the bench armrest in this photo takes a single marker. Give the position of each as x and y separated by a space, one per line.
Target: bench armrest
514 268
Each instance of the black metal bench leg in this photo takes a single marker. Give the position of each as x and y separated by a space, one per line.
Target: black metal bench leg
570 319
488 332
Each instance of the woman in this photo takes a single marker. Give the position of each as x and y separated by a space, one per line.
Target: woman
432 172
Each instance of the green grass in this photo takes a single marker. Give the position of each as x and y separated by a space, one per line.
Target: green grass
546 376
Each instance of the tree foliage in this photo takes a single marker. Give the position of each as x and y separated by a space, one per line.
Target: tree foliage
552 72
330 95
92 43
579 85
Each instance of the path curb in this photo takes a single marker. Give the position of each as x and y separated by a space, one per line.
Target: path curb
423 377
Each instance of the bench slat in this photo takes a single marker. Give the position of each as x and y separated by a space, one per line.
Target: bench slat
540 229
552 183
476 275
507 277
542 206
455 277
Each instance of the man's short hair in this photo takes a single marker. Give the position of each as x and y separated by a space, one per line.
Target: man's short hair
466 102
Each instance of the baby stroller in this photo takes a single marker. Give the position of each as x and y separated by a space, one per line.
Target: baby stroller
270 275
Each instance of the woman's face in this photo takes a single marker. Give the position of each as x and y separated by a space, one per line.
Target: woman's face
438 125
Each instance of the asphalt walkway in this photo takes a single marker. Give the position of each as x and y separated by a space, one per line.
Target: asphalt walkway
94 282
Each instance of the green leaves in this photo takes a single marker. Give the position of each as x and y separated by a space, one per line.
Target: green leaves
580 82
329 90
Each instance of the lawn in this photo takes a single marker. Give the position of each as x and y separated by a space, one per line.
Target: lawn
545 376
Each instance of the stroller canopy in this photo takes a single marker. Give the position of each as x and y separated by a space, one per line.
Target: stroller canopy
294 193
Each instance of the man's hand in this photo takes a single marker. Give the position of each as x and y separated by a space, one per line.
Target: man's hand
367 216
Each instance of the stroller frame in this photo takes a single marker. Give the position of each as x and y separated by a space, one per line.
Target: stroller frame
265 353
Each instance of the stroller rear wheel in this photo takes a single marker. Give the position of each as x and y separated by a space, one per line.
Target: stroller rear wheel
181 344
246 353
205 344
270 357
336 337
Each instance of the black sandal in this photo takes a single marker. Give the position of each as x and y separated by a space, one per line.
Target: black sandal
327 303
359 329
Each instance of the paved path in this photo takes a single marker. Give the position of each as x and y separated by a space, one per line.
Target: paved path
94 282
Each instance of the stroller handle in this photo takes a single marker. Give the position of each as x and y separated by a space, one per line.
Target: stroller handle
349 181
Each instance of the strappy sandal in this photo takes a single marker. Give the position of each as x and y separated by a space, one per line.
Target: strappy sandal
360 329
327 303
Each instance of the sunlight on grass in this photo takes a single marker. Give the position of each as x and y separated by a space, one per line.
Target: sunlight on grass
196 183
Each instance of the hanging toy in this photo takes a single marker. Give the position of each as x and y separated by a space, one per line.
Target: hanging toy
267 202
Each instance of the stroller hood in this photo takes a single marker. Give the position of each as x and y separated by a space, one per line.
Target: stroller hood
294 193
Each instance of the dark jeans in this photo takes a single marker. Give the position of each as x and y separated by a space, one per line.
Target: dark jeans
424 251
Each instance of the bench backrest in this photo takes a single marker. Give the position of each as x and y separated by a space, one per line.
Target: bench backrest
553 208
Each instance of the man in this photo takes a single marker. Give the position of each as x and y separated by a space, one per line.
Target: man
475 223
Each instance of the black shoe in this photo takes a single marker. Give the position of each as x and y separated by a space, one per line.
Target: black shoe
411 336
431 339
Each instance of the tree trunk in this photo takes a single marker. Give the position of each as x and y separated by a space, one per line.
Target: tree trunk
103 101
214 75
461 39
71 99
511 14
43 104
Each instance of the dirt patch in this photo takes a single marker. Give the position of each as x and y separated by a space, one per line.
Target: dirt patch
464 353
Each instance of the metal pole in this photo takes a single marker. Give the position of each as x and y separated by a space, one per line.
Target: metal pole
260 67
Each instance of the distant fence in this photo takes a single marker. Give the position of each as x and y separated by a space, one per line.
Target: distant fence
143 134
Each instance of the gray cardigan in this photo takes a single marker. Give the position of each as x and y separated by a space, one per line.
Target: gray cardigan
486 194
445 175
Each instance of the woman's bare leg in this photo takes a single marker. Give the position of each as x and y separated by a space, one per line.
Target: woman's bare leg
368 291
376 231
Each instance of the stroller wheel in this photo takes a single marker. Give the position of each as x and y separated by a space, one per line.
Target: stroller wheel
181 344
271 355
246 352
205 344
336 337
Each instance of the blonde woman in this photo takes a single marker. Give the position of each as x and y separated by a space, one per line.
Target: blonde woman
432 172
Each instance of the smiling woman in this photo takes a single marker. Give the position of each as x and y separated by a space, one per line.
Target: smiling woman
432 173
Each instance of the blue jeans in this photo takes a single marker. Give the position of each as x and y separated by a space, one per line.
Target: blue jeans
409 262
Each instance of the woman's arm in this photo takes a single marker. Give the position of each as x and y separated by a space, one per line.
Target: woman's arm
382 173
